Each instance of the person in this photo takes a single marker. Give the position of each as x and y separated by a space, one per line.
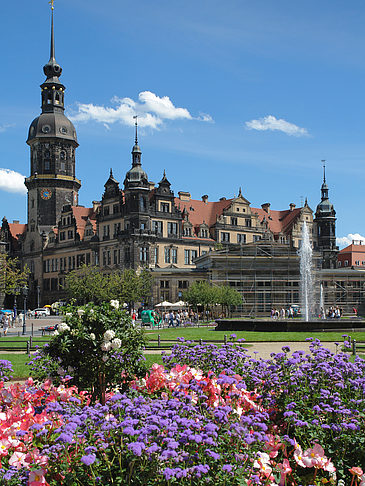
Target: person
133 318
171 319
177 317
6 322
282 313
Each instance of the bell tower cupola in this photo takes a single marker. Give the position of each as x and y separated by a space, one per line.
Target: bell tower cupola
325 221
52 140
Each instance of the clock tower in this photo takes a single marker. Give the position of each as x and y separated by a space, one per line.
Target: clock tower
52 141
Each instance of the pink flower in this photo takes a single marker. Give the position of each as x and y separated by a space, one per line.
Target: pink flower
298 456
36 478
4 447
285 469
17 460
356 471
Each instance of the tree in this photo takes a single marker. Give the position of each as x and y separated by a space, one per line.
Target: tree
206 295
12 277
228 297
88 284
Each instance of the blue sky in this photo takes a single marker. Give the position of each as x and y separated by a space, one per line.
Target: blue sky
229 94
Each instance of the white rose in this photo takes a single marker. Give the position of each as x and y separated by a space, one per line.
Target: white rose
55 333
80 312
63 327
106 347
92 336
116 343
68 314
108 335
115 304
91 311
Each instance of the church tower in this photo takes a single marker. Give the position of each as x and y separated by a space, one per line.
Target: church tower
52 141
325 219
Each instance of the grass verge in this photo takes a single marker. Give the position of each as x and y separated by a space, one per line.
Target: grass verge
250 336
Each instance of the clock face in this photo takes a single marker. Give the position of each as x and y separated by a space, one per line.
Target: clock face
46 194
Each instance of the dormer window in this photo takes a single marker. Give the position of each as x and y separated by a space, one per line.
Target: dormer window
165 207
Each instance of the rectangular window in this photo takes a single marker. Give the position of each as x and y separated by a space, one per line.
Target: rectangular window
157 226
248 223
164 284
258 238
167 255
115 208
106 210
165 207
225 237
127 254
241 238
88 259
106 231
187 257
115 261
143 254
116 228
234 221
70 234
62 236
183 284
172 228
174 255
204 252
194 254
155 252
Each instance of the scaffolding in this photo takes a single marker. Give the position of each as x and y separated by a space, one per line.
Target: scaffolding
267 274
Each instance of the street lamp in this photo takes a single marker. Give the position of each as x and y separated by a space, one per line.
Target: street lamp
25 293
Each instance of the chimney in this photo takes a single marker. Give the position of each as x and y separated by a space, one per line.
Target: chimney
266 207
222 199
15 221
184 196
205 199
151 185
291 206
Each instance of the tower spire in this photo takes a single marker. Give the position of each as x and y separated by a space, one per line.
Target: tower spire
324 171
52 53
52 70
136 125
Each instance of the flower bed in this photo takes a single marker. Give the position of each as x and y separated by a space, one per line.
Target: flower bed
208 416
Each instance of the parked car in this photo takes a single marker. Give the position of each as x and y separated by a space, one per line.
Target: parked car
41 312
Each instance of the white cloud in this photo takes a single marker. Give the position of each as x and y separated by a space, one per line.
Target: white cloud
11 181
150 108
272 123
347 240
3 128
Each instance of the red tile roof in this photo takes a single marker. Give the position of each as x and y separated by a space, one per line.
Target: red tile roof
81 215
199 212
278 221
353 249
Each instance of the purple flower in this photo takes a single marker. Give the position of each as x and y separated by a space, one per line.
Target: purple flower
88 459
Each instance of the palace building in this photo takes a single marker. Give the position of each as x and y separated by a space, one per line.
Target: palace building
139 224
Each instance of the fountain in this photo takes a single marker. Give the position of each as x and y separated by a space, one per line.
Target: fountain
306 284
321 302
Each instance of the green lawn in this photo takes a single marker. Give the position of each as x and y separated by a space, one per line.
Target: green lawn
21 371
250 336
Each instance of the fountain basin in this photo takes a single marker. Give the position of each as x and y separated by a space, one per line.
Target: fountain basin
290 325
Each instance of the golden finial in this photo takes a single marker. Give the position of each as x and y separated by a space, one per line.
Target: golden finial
51 4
